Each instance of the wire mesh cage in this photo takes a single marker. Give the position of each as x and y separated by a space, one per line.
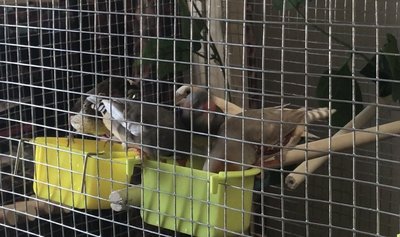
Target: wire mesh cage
199 118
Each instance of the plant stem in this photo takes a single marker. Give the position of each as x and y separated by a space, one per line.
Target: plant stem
217 57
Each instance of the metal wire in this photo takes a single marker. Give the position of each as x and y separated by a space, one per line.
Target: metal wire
53 52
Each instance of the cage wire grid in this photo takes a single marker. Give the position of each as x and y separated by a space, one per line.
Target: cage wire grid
55 54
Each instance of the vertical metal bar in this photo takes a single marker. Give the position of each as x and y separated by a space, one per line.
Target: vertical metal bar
125 65
207 10
377 147
2 198
263 79
244 25
354 186
69 21
193 15
281 97
306 62
110 15
330 9
54 72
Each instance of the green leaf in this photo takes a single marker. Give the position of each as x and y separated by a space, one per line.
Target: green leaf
341 89
165 55
369 70
198 25
394 64
184 46
290 4
389 68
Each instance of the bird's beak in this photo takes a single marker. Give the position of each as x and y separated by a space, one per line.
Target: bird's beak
181 94
180 100
134 82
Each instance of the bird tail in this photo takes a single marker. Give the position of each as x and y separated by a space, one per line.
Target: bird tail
93 99
96 104
319 114
113 107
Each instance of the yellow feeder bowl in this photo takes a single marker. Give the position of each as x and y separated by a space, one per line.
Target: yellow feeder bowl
196 202
82 175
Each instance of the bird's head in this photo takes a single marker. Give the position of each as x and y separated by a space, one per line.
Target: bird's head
198 106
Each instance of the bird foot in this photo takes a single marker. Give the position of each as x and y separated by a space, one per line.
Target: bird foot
270 162
70 139
137 152
181 162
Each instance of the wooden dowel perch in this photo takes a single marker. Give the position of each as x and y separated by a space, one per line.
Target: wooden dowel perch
120 199
297 177
293 180
30 209
338 143
14 213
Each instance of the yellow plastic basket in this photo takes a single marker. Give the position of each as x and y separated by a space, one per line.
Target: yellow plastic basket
196 202
59 171
182 199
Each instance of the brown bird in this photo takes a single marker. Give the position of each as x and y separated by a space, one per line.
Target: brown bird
243 137
199 108
87 120
200 114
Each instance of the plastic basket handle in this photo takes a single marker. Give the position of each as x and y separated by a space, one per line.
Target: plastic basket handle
222 177
20 149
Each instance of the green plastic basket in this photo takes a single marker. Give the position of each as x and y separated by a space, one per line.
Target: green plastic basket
196 202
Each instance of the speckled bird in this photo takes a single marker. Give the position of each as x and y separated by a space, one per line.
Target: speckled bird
201 114
236 147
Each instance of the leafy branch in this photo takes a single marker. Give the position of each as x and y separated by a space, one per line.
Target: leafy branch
341 88
163 49
215 56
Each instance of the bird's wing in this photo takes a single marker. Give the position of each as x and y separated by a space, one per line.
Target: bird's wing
115 109
94 100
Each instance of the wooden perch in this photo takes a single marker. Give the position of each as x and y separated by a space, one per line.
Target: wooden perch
120 199
338 143
14 213
29 209
5 105
297 177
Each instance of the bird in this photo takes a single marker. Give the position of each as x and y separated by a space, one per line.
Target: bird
199 114
229 108
145 126
242 138
199 108
85 119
